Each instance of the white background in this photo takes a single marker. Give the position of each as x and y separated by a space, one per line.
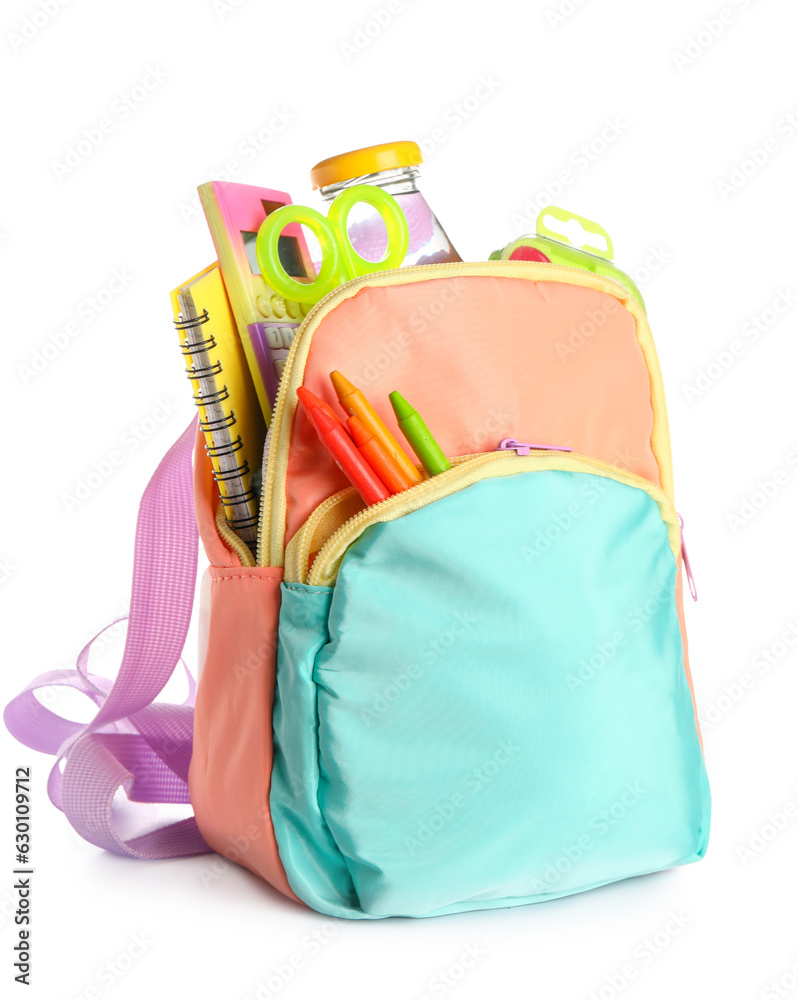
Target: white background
674 116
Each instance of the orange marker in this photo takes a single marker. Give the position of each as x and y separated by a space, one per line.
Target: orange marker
356 405
378 457
342 448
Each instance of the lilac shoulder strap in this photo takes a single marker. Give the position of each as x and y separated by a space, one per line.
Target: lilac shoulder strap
132 743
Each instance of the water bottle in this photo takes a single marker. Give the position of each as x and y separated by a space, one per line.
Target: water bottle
393 166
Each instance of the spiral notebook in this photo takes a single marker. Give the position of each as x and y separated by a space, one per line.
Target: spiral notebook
230 415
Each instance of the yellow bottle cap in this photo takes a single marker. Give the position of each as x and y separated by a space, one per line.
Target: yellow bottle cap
370 160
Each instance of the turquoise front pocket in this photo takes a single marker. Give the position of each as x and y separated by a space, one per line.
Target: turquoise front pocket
490 705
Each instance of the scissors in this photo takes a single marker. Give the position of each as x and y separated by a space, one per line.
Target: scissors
340 261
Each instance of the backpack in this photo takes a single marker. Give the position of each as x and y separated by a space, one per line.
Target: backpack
474 694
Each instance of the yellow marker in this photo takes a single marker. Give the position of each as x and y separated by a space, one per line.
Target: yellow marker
356 405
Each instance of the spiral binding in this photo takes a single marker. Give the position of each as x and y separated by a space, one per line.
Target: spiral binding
208 371
231 474
209 426
225 449
210 398
238 501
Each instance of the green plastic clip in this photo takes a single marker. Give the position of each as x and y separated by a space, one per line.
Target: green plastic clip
565 245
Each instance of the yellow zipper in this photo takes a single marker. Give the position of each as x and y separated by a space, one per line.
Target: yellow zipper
307 539
233 540
322 524
271 530
467 471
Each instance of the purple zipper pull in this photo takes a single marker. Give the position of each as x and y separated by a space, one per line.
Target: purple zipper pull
524 447
686 560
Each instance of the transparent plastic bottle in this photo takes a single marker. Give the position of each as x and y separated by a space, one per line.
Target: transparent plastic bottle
393 166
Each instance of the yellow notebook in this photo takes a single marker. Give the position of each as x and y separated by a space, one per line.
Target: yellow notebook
230 414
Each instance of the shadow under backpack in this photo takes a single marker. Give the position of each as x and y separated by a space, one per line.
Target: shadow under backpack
474 694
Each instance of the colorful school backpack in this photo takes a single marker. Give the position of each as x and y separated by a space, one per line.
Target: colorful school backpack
474 694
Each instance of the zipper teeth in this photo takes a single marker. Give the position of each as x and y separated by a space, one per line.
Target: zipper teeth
347 289
232 539
267 484
308 527
466 464
267 488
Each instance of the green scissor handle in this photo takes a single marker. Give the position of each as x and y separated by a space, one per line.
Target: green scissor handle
389 210
340 261
266 251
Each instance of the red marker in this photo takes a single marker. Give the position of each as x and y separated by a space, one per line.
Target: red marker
342 448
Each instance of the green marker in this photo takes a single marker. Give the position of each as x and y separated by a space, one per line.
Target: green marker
418 436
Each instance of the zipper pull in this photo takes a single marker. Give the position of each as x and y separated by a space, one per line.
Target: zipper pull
686 561
524 447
